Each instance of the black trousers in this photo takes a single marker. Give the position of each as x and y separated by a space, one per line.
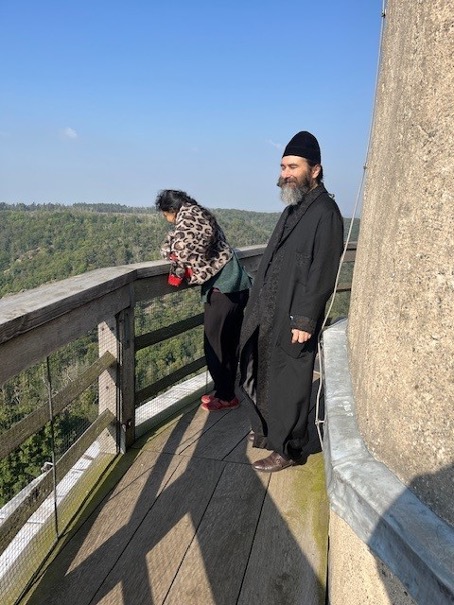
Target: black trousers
223 316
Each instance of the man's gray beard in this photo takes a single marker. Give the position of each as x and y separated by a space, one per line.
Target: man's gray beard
293 195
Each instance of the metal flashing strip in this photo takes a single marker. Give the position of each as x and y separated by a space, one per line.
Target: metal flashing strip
416 545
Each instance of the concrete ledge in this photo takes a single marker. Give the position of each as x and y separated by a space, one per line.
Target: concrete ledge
415 544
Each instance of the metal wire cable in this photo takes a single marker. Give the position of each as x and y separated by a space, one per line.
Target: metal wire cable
48 381
319 421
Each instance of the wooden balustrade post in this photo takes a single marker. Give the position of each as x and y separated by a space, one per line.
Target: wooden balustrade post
116 385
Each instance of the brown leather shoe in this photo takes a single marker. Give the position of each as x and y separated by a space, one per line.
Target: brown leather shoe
272 463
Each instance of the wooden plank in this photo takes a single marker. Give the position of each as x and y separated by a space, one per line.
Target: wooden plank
108 383
35 421
39 321
289 556
349 256
187 537
251 252
152 277
12 524
221 438
22 352
155 287
23 429
76 574
179 327
177 434
184 433
22 312
147 567
150 269
212 570
244 452
147 270
251 265
250 257
172 378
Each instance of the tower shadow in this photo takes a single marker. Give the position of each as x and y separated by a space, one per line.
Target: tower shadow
416 545
191 523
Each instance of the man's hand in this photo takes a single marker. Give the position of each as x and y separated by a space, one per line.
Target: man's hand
300 336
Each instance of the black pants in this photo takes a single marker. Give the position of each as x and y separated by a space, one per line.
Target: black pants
222 324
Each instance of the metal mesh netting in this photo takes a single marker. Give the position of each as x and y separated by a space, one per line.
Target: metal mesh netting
40 490
159 360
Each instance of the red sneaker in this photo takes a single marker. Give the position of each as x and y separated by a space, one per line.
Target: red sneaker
206 398
217 405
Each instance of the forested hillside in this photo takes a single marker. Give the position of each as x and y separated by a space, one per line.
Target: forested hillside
39 244
43 243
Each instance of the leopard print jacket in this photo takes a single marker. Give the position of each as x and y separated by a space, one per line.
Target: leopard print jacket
196 242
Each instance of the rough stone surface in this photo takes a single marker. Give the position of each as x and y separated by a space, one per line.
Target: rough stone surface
356 576
401 320
413 542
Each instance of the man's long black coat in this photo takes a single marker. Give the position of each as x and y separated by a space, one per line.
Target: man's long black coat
294 281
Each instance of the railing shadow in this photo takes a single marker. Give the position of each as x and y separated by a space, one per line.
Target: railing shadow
237 530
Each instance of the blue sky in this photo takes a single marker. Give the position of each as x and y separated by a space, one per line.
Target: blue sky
109 101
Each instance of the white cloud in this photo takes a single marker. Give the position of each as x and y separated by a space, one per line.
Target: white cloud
69 133
277 145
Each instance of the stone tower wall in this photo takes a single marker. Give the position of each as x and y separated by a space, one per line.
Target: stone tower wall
401 321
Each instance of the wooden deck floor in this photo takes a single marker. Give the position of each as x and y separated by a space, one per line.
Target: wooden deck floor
191 523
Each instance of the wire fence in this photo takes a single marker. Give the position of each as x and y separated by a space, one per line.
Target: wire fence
44 479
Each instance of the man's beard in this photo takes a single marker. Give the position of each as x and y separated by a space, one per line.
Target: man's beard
292 193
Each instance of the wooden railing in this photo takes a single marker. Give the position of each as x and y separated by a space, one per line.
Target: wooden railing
348 261
38 322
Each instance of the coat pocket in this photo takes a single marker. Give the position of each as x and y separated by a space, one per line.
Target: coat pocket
284 341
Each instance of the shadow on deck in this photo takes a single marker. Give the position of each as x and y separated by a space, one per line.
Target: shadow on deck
184 519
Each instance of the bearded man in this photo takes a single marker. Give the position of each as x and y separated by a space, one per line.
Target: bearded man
283 318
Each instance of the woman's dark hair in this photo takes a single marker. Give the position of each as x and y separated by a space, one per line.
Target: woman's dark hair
171 200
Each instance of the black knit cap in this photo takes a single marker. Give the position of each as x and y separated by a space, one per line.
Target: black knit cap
304 145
